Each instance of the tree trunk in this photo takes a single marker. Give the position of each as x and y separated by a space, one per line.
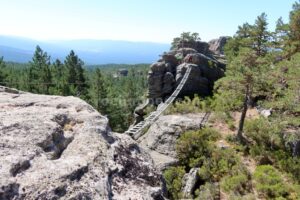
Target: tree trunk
240 136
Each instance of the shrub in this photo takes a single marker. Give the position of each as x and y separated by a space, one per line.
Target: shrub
173 177
269 183
265 134
221 163
226 96
231 126
208 191
238 184
233 196
223 117
292 166
193 147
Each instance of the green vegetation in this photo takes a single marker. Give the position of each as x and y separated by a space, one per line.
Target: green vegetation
198 149
2 70
173 177
111 94
268 146
194 147
263 70
265 135
185 39
270 184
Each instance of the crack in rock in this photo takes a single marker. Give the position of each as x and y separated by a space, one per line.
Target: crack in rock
19 167
55 144
9 191
78 174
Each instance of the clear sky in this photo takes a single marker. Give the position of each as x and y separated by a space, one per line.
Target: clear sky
134 20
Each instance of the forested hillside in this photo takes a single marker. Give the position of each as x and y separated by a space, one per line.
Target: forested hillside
104 86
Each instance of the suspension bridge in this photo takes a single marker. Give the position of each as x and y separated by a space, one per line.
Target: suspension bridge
138 130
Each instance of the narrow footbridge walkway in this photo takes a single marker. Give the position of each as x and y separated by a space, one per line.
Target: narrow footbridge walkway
137 131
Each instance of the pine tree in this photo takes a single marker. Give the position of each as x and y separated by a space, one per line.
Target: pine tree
100 92
40 78
244 31
132 95
246 66
236 91
260 35
256 37
293 44
281 34
3 74
75 76
59 78
185 38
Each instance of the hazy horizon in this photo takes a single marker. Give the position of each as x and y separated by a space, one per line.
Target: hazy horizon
135 21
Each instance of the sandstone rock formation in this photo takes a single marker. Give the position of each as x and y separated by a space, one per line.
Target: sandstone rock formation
292 140
189 181
160 139
55 147
166 74
217 45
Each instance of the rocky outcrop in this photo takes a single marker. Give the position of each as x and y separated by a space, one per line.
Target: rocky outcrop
166 74
291 137
122 72
55 147
198 46
160 139
216 46
189 182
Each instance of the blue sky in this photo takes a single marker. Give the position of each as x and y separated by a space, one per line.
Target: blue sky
133 20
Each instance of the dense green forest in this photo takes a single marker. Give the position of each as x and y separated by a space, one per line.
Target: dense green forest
263 71
103 86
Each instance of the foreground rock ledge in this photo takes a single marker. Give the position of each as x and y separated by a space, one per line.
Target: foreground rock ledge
54 147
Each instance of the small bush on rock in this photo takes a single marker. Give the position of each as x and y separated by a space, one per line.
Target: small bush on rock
173 177
193 147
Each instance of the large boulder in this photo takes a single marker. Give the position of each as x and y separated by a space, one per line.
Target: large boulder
54 147
182 52
168 83
196 83
198 59
160 139
155 79
170 58
198 46
292 141
189 183
216 46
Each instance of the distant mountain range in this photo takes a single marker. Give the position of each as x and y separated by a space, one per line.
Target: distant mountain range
17 49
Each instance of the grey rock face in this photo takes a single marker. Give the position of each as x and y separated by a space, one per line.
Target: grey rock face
198 46
189 181
217 45
292 141
155 79
196 83
168 83
206 71
160 139
55 147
